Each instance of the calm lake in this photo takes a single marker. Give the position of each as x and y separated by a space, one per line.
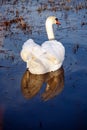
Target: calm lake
56 100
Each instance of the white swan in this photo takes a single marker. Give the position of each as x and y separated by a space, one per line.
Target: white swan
47 57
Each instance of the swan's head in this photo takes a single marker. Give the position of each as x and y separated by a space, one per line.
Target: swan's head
53 20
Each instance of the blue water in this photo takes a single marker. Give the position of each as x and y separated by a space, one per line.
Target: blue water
66 110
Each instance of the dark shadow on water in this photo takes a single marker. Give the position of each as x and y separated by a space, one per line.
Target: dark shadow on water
32 83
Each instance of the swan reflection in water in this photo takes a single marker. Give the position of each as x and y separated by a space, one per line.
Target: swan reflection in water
32 83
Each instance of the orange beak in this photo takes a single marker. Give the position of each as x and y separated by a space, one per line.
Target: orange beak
58 22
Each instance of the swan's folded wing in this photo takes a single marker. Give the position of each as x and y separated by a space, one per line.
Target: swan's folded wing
54 50
30 49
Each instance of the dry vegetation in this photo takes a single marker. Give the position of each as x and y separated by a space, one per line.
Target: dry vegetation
61 5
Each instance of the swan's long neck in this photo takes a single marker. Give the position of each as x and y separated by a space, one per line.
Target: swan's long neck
49 30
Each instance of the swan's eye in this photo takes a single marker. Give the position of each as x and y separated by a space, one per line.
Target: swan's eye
56 19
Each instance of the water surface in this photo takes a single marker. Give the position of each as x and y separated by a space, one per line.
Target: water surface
64 106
